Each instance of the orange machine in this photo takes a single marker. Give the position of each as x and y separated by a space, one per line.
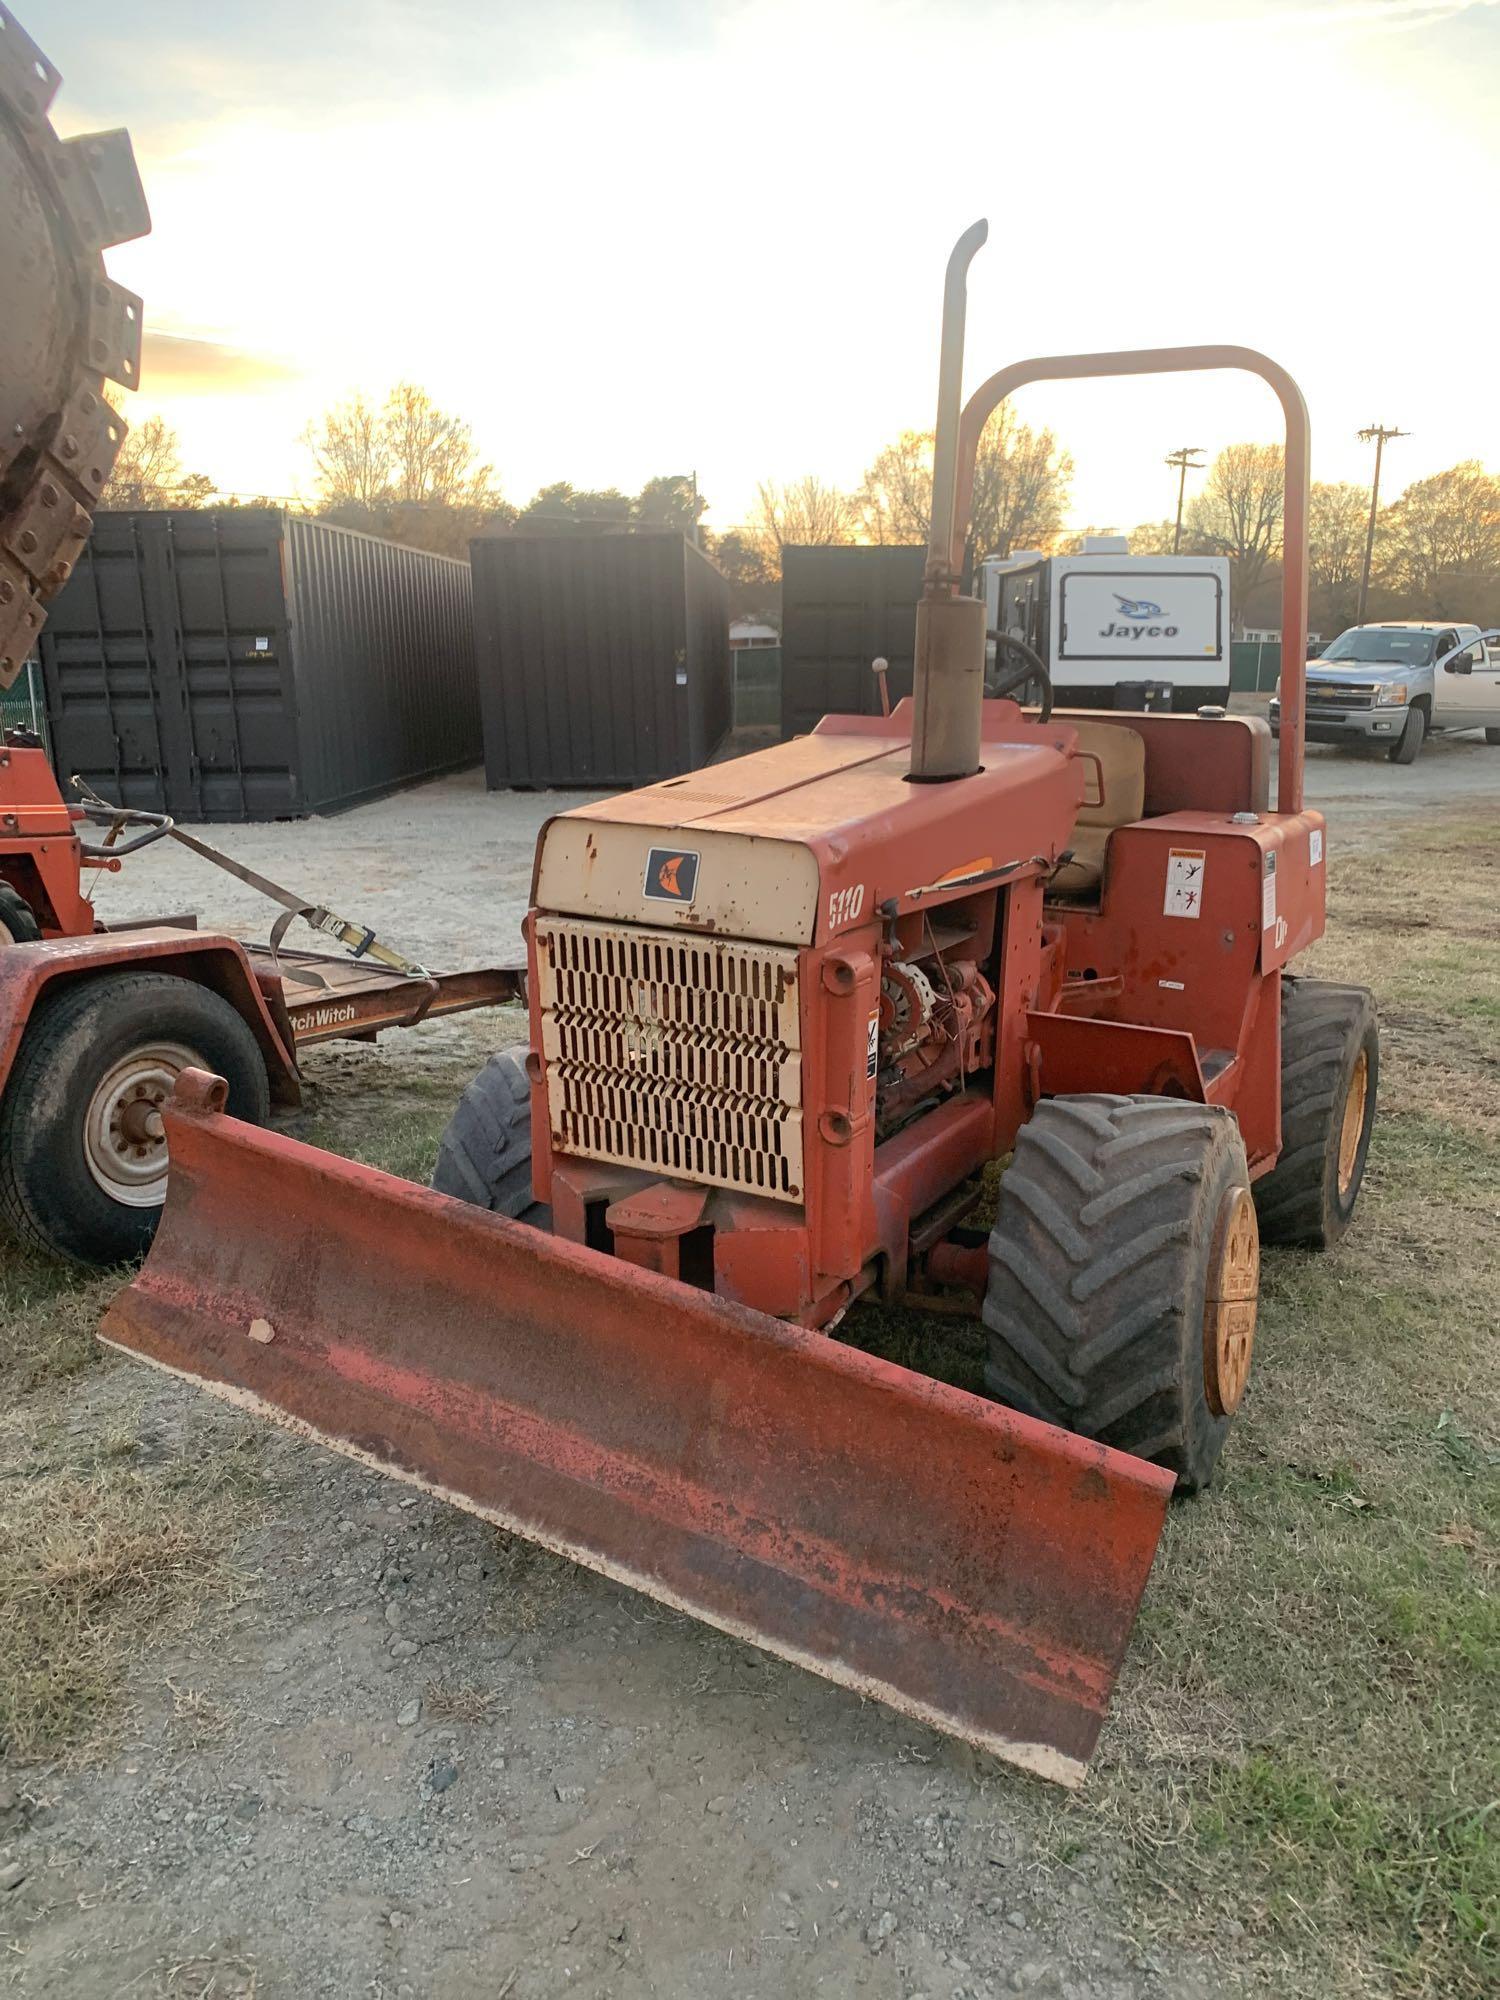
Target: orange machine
784 1014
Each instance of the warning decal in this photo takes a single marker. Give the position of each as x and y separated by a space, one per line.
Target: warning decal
1315 846
1186 869
872 1049
1268 895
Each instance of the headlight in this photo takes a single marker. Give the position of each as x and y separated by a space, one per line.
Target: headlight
1393 696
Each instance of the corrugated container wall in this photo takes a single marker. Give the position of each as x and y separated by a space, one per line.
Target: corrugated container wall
240 663
603 660
841 609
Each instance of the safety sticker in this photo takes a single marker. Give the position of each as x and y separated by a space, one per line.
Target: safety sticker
1268 895
872 1045
1315 845
1186 869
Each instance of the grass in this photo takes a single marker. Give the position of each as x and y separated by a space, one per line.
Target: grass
100 1558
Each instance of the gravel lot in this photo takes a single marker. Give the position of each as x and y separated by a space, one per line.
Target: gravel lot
397 1755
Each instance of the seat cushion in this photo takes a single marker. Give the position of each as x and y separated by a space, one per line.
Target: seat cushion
1083 871
1122 762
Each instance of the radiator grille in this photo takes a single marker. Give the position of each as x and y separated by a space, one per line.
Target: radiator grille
675 1053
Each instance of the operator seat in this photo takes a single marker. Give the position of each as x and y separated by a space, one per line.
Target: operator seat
1121 752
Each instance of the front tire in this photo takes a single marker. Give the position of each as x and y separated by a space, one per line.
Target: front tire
1413 736
1124 1276
484 1157
83 1158
18 924
1330 1077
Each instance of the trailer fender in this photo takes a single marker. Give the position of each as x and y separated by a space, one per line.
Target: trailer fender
28 972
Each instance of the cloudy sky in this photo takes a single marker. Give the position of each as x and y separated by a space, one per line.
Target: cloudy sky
636 236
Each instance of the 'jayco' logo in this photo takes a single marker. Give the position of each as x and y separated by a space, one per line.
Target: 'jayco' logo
1138 609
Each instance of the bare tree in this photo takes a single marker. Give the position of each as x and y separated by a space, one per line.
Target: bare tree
1022 480
895 495
1021 484
432 457
1337 515
1154 538
1443 536
807 511
1238 512
148 472
351 449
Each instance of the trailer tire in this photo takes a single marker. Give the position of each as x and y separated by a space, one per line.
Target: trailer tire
484 1157
1124 1275
18 925
1412 737
1330 1075
96 1052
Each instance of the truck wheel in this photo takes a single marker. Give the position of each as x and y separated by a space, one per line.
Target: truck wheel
1330 1073
484 1157
83 1159
1124 1276
1492 735
17 924
1413 736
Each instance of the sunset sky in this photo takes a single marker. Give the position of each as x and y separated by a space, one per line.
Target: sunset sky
640 237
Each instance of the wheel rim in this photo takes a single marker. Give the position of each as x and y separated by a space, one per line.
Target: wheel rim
1230 1309
124 1143
1353 1128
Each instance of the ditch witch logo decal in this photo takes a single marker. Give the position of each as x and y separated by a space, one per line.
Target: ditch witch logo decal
671 875
1138 610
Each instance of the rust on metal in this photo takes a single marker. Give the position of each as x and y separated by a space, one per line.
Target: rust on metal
65 328
974 1568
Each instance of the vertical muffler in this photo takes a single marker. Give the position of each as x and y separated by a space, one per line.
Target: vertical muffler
948 677
974 1568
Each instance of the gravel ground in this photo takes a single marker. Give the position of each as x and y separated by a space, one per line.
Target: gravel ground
399 1755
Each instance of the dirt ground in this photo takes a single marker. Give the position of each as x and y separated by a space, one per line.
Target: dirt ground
299 1732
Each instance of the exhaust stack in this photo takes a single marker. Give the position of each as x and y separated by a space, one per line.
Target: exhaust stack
948 688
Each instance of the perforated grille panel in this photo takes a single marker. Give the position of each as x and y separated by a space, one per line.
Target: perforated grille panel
679 1054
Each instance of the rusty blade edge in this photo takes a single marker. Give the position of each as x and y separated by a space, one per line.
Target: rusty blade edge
1039 1759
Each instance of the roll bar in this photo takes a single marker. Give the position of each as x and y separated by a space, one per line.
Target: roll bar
957 445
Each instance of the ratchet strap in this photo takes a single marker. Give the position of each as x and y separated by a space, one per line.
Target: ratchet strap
357 939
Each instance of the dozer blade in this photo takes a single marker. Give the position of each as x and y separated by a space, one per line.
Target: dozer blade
976 1569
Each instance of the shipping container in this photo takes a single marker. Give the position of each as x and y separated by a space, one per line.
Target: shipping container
841 609
242 664
603 660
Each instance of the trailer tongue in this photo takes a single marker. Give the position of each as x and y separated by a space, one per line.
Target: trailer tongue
970 1566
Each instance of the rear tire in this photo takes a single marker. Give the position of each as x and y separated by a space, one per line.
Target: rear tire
18 925
76 1120
1330 1076
484 1157
1413 736
1124 1274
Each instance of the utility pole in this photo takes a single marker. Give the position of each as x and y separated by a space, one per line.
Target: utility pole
1185 456
1378 433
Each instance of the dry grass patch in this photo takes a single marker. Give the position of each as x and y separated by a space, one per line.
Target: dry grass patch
98 1562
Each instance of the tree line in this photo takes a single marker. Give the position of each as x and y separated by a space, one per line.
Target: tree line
407 469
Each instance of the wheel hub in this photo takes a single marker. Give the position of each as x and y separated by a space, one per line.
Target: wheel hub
1352 1129
1232 1302
124 1138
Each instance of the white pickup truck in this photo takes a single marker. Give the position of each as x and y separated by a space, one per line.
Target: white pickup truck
1389 684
